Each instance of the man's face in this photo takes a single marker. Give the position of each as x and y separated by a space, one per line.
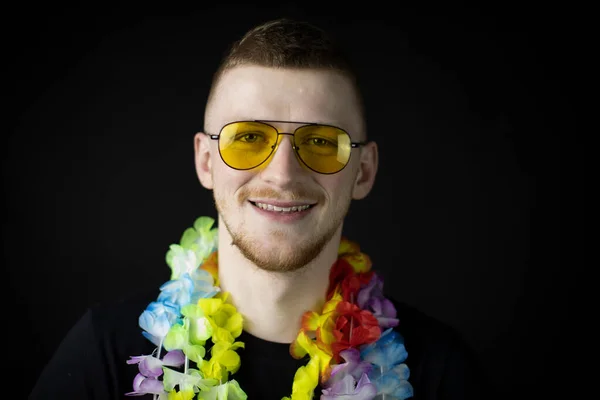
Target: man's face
254 205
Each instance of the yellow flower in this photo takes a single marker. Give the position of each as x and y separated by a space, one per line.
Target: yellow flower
183 395
305 380
347 246
322 356
320 324
224 361
360 262
226 321
350 252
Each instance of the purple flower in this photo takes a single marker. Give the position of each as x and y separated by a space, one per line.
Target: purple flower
151 367
349 389
143 385
371 298
353 367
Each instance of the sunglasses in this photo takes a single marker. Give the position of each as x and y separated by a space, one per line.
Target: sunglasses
322 148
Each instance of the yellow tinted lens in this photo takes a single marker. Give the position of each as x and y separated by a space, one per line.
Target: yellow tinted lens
325 149
245 145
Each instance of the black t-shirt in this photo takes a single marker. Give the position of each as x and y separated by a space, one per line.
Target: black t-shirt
90 363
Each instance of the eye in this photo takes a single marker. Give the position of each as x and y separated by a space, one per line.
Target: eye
318 141
249 137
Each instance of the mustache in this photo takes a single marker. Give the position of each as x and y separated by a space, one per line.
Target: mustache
283 195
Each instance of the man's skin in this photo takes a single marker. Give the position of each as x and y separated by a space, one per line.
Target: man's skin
276 265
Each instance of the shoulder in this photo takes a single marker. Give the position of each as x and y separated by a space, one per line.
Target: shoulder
117 313
425 329
442 363
116 321
91 358
428 341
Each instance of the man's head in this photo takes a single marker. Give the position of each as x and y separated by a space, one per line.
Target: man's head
282 212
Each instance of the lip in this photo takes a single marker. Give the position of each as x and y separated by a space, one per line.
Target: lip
279 203
282 217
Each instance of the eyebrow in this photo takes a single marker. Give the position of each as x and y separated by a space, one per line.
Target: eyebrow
291 122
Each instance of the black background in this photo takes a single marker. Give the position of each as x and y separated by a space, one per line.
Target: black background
473 109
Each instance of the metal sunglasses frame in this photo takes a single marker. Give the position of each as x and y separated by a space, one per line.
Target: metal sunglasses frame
268 122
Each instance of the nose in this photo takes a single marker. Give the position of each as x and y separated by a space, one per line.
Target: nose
283 166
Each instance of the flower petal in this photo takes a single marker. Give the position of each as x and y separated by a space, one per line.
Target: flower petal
174 358
151 367
143 385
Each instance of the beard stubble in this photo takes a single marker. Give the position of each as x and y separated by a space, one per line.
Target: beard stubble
284 257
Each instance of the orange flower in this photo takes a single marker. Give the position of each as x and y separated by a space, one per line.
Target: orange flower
321 325
212 266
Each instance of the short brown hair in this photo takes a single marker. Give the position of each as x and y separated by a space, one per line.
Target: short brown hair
288 43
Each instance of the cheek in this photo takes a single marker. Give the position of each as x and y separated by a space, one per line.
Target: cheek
338 185
227 180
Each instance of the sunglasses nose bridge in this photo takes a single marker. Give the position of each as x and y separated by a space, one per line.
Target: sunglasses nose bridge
280 136
282 164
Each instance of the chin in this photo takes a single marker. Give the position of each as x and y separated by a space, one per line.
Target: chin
276 253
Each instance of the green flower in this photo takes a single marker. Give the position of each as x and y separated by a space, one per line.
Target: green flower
202 238
227 391
195 245
191 335
192 381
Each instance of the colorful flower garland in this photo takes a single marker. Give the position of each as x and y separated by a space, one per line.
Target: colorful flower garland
354 351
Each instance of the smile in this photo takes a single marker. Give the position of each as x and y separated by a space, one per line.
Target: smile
270 207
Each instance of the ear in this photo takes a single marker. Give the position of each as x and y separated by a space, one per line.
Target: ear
203 160
365 178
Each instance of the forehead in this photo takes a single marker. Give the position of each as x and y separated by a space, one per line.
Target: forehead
262 93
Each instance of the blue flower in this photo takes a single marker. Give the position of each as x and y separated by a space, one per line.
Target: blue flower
386 352
156 320
393 385
188 289
389 374
204 285
177 291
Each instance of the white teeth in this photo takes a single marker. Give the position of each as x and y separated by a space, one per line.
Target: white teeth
270 207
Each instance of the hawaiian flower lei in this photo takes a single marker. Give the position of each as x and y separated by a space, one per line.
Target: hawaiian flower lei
354 351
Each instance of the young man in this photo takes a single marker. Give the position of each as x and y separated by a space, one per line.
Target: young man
284 151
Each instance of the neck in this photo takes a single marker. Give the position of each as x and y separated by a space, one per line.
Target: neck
272 303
